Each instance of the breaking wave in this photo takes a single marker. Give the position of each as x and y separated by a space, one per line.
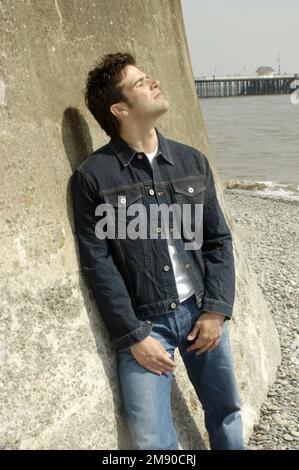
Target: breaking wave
273 189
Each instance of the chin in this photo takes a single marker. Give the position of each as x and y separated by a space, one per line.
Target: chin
165 108
167 104
164 104
161 111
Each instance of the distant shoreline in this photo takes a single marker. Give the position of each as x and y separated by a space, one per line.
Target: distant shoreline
265 189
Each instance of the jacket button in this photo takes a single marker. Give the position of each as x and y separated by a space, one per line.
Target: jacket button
166 267
173 305
139 156
123 200
151 192
190 189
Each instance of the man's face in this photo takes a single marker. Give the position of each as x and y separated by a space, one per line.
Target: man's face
144 93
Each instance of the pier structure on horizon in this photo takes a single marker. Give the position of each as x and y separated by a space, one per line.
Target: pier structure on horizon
244 85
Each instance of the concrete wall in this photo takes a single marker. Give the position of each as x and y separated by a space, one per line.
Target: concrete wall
59 386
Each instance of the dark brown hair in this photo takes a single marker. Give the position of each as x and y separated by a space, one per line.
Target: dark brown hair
103 90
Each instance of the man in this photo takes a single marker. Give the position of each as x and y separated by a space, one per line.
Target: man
153 291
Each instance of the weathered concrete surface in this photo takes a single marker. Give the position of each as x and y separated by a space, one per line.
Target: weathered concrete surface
59 387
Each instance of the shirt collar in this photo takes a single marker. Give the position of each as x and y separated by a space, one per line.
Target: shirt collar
125 152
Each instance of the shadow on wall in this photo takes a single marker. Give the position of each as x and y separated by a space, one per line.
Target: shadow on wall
77 143
76 137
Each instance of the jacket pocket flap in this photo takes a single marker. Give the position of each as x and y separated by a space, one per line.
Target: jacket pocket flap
189 186
122 197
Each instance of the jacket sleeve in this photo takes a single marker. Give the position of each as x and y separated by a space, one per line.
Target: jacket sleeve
217 250
107 283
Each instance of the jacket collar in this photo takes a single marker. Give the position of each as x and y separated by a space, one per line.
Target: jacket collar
125 152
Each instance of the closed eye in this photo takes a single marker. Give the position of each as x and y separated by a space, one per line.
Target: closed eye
141 80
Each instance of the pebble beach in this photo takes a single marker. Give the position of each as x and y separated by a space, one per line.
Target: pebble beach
272 251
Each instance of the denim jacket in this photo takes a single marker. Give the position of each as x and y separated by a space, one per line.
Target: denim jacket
132 279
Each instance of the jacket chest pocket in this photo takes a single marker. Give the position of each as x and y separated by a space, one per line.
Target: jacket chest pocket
189 196
189 190
123 205
121 197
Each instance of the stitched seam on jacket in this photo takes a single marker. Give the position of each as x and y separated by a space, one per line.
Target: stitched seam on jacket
129 334
216 301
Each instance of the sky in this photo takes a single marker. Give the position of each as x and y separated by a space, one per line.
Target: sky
228 37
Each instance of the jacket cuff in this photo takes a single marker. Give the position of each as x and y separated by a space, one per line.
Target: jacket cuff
210 305
133 337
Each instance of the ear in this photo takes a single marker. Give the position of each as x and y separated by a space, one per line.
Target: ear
118 110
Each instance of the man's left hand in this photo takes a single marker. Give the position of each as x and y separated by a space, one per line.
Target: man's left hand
206 332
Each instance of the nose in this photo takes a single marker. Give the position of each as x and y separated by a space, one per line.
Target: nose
155 82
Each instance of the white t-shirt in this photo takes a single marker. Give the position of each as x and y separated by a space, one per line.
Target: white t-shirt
182 279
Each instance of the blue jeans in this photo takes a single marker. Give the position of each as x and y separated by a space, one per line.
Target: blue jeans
146 397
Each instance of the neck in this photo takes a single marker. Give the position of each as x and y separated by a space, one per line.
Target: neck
143 140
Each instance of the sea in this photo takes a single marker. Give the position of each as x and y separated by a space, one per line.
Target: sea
255 143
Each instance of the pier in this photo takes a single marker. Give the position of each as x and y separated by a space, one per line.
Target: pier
244 85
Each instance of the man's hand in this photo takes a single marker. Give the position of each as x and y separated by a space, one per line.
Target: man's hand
150 354
206 332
